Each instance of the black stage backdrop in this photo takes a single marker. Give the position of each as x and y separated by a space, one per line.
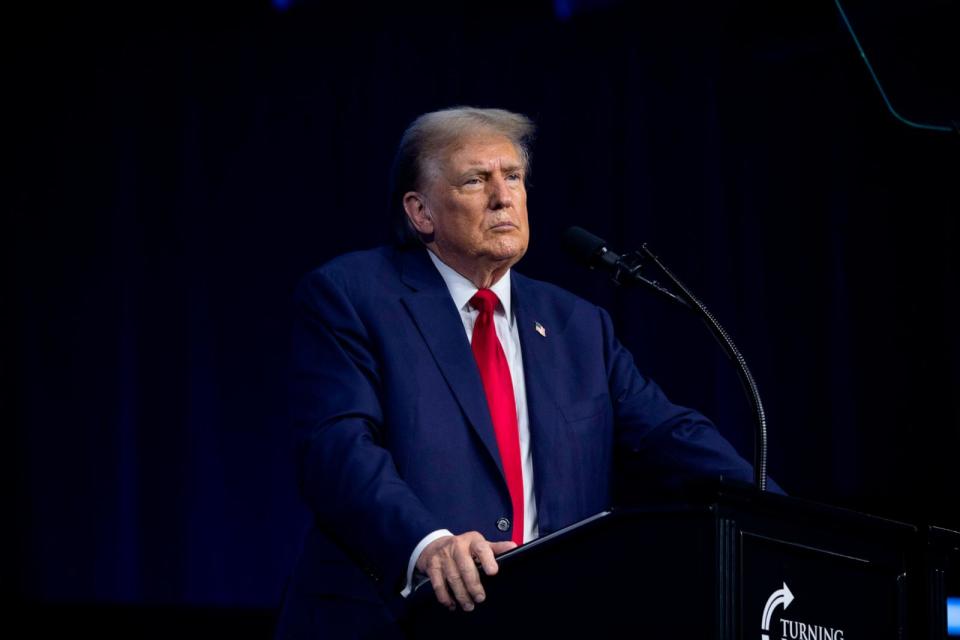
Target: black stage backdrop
171 175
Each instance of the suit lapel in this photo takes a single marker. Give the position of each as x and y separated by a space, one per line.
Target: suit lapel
432 309
541 372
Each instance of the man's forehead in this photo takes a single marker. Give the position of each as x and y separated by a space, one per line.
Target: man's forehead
483 151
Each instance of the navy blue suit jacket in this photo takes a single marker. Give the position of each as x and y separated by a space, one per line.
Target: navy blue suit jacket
396 439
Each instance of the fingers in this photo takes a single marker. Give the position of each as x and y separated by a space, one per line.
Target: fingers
463 587
451 564
484 552
467 565
502 547
443 563
439 584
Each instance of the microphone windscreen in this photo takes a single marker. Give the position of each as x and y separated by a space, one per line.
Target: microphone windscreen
583 245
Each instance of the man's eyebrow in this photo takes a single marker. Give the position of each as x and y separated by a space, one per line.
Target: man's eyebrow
483 169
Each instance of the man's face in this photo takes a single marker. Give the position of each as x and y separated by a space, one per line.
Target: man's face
476 202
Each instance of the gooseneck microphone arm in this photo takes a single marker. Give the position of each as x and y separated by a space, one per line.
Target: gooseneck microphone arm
743 371
591 251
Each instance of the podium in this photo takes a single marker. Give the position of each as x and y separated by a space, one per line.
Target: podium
725 563
937 584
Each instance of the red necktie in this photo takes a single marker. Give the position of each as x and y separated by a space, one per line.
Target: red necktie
498 387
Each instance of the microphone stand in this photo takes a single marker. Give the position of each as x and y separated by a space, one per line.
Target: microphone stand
626 269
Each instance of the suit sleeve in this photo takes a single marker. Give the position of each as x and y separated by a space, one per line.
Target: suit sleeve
346 475
671 444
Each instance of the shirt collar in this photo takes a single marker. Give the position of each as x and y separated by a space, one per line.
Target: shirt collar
462 290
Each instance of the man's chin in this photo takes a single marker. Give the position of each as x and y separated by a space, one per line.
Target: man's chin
509 255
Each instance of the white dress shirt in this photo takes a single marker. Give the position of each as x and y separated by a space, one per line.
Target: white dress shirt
462 291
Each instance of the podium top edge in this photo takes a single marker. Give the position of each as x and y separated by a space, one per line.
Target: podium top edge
721 493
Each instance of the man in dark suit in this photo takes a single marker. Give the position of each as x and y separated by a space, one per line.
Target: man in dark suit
450 408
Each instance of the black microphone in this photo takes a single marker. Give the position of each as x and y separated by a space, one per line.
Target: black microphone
591 251
588 249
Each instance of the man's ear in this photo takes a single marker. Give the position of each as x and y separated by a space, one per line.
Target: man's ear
417 212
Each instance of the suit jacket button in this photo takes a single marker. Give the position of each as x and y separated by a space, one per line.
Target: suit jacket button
503 524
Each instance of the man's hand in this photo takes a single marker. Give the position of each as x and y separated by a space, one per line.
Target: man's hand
451 564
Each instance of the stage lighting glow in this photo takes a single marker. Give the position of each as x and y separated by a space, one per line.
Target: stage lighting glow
953 616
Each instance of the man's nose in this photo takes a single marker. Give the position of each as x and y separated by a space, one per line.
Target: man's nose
501 196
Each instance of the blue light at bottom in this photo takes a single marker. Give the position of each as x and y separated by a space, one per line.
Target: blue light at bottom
953 616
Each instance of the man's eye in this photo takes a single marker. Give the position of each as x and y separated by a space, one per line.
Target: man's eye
514 176
473 180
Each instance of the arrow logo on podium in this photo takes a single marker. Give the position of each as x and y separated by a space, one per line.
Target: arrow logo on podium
777 598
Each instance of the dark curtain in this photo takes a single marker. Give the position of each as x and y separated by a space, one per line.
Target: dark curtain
170 176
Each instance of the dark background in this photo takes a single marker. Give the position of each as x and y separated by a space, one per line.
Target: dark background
171 171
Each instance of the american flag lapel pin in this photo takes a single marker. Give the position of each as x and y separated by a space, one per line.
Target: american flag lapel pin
539 328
